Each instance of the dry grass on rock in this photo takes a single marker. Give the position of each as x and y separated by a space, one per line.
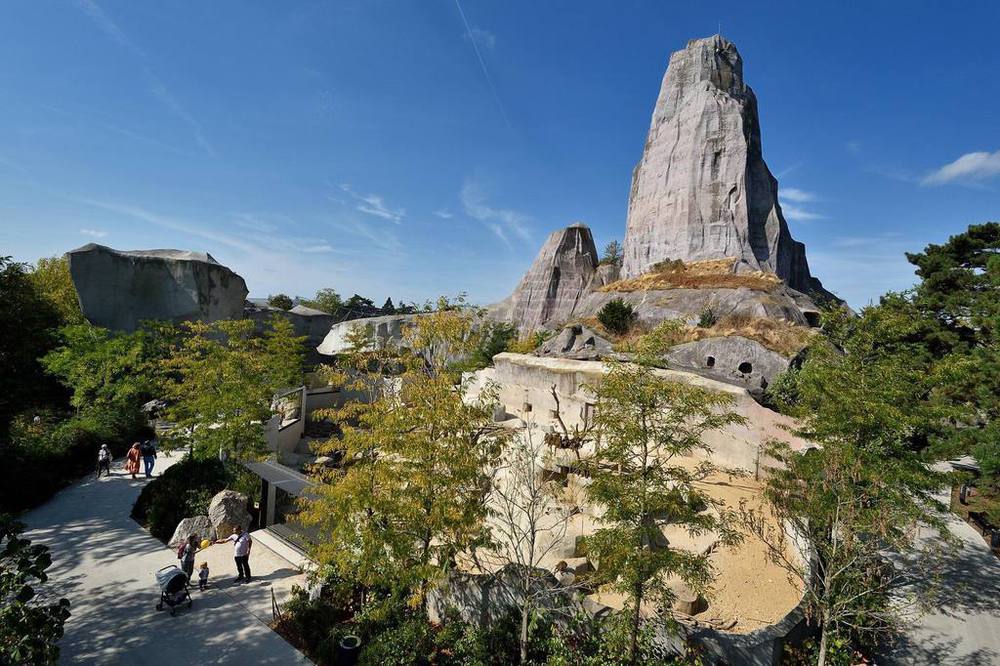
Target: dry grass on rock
712 274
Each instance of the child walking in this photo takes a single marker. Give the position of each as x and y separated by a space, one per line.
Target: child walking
203 576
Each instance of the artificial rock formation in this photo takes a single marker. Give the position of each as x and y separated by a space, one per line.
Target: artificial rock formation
558 279
732 359
227 510
702 189
200 526
119 289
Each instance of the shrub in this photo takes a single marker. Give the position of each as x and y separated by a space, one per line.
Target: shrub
617 316
184 490
281 301
707 319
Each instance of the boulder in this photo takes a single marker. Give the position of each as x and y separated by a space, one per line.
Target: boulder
227 510
555 283
578 342
200 525
732 359
309 323
118 289
387 329
701 189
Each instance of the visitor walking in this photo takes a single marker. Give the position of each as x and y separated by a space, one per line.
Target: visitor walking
186 555
104 460
148 450
241 552
132 460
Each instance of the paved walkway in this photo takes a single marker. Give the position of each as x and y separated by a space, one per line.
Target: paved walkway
964 626
103 562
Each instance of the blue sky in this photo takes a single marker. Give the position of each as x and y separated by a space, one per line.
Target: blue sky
417 148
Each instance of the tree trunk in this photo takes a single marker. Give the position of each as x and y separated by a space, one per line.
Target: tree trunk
636 622
524 634
822 646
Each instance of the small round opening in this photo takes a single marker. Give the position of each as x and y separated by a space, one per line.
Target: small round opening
710 361
350 642
746 368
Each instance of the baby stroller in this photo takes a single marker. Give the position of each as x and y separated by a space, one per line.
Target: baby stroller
173 588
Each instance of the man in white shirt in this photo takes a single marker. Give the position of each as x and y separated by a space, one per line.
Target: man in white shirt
241 552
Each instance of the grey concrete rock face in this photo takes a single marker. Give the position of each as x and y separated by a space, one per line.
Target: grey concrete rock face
387 329
312 324
702 190
227 510
733 359
119 289
200 525
577 342
558 278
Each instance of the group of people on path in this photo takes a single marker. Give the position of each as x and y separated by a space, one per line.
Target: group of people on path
242 542
144 451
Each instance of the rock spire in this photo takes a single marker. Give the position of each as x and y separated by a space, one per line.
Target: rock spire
702 189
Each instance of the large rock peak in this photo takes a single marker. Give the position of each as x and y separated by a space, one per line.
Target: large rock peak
119 289
558 279
702 190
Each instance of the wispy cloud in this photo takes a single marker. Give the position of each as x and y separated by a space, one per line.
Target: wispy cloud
157 87
501 221
482 63
374 204
792 198
796 195
379 238
798 214
318 249
444 214
484 39
94 233
969 169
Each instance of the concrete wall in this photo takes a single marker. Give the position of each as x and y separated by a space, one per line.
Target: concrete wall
525 390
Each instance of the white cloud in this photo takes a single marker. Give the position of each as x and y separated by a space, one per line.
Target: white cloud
317 249
444 214
798 214
484 39
501 221
796 195
374 204
969 168
94 233
472 39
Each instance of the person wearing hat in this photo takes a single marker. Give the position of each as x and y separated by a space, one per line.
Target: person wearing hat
104 460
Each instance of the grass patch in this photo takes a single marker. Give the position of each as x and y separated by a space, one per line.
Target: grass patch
711 274
778 336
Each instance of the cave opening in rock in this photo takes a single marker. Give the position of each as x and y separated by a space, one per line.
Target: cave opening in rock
710 361
745 367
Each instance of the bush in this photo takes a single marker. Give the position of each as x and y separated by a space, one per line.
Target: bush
184 490
617 316
707 319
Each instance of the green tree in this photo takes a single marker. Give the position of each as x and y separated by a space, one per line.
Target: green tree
645 425
280 301
862 398
388 307
357 302
110 374
221 379
613 254
617 316
53 282
29 630
412 490
326 300
28 322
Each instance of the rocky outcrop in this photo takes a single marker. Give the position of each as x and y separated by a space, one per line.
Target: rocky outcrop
558 279
227 510
732 359
577 342
387 329
119 289
201 526
702 189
